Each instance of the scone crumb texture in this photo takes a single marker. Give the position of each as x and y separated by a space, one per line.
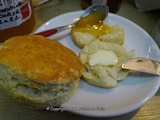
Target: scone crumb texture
105 70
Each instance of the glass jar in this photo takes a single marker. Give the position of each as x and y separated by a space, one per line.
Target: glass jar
114 5
16 18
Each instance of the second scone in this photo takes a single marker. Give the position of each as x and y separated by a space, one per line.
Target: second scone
100 74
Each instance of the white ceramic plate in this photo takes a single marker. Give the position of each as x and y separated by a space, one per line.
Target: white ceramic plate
131 93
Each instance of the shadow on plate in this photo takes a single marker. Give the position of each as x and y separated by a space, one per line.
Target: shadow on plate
135 78
91 88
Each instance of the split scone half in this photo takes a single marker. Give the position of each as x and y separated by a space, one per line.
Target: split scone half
37 71
82 36
102 63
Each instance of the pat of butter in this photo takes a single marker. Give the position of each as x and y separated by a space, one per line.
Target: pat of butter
103 57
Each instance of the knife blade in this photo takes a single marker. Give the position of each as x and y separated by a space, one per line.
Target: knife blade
142 65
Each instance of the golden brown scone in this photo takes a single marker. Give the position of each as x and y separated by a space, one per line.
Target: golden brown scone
102 75
38 71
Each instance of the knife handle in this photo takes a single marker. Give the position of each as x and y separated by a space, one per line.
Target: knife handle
52 31
47 32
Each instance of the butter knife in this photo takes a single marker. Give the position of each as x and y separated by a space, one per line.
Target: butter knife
142 65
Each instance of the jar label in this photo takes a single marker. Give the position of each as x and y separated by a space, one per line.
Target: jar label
14 12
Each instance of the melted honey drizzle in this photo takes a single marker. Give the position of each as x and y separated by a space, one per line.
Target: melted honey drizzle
92 24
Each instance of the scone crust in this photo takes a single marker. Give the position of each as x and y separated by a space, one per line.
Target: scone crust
40 59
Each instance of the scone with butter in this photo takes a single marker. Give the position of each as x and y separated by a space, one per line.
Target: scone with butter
37 71
102 63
